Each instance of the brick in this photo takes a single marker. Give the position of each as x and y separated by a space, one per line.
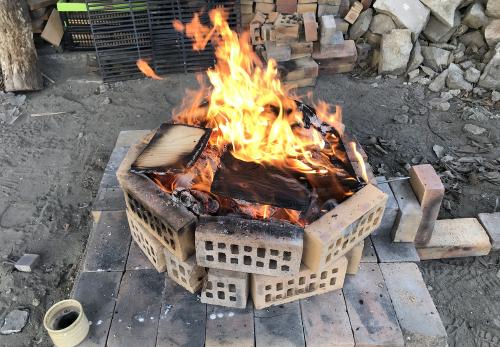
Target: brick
305 82
301 48
327 9
491 223
345 53
307 1
279 326
409 216
255 33
391 209
325 320
330 2
342 25
298 69
227 327
452 238
268 248
369 254
149 245
246 9
373 319
354 258
430 192
354 12
336 232
310 27
303 8
186 273
264 7
286 6
276 290
27 262
225 288
394 252
259 18
267 32
418 317
278 53
327 27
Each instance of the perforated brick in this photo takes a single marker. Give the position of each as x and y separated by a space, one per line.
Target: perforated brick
268 248
186 273
338 231
146 242
270 290
225 288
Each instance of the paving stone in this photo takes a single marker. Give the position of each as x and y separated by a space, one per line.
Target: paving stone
108 244
409 215
369 254
354 258
491 223
279 326
182 319
452 238
97 292
395 50
394 252
227 327
107 199
391 208
418 317
429 191
409 14
137 260
127 138
27 262
325 320
373 319
225 288
443 10
491 74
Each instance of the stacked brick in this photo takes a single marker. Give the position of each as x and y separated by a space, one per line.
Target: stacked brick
230 259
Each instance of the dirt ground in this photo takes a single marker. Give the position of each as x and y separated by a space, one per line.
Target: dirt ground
51 167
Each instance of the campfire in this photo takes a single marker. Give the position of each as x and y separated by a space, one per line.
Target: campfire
248 179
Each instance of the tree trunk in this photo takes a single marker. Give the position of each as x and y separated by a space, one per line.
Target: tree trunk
18 58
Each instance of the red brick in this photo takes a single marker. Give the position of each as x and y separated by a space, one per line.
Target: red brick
286 6
310 26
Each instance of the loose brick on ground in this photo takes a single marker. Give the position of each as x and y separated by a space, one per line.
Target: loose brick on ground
274 290
270 248
354 258
418 317
186 273
391 208
27 262
461 237
410 214
225 288
491 223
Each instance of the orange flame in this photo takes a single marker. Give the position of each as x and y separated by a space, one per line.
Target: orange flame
361 162
147 70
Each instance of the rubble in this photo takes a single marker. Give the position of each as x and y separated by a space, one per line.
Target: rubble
472 75
360 27
474 129
382 24
435 58
491 75
14 322
493 9
416 57
475 17
395 51
439 82
443 10
437 31
456 80
409 14
492 33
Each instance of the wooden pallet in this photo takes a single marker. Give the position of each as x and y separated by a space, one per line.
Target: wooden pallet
131 304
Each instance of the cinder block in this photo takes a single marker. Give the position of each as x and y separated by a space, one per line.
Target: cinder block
418 317
354 258
286 6
336 232
149 245
186 273
274 290
391 209
452 238
267 248
409 216
225 288
27 262
310 27
430 192
491 223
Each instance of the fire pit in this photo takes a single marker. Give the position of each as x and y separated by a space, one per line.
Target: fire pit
263 191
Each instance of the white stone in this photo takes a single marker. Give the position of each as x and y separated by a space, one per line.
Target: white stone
416 57
435 58
492 33
409 14
495 96
14 322
395 50
493 9
360 27
474 16
456 80
382 24
439 82
490 78
437 31
472 75
444 10
474 129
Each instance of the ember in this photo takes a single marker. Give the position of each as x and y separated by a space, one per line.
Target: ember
267 156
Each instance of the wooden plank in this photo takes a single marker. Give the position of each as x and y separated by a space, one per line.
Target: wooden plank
137 311
183 318
228 327
325 320
417 315
97 292
370 310
137 260
108 245
279 326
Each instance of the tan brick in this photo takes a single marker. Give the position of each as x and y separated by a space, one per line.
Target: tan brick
272 290
354 12
303 8
225 288
246 9
186 273
304 82
301 47
147 242
327 9
491 223
342 25
255 33
339 230
354 258
430 192
310 27
268 248
452 238
409 216
286 6
264 7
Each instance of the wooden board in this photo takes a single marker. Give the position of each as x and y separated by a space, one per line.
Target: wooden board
182 319
173 148
54 30
228 327
279 326
127 138
137 311
325 320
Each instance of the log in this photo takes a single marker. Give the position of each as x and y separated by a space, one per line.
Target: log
18 57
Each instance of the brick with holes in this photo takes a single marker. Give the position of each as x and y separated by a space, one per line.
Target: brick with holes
270 290
169 222
225 288
186 273
268 248
146 242
338 231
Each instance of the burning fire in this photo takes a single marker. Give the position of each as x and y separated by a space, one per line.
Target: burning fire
252 114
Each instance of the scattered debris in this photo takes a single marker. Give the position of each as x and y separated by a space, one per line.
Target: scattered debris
14 321
27 262
11 107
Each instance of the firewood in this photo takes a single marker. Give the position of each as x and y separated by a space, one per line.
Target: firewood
173 148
